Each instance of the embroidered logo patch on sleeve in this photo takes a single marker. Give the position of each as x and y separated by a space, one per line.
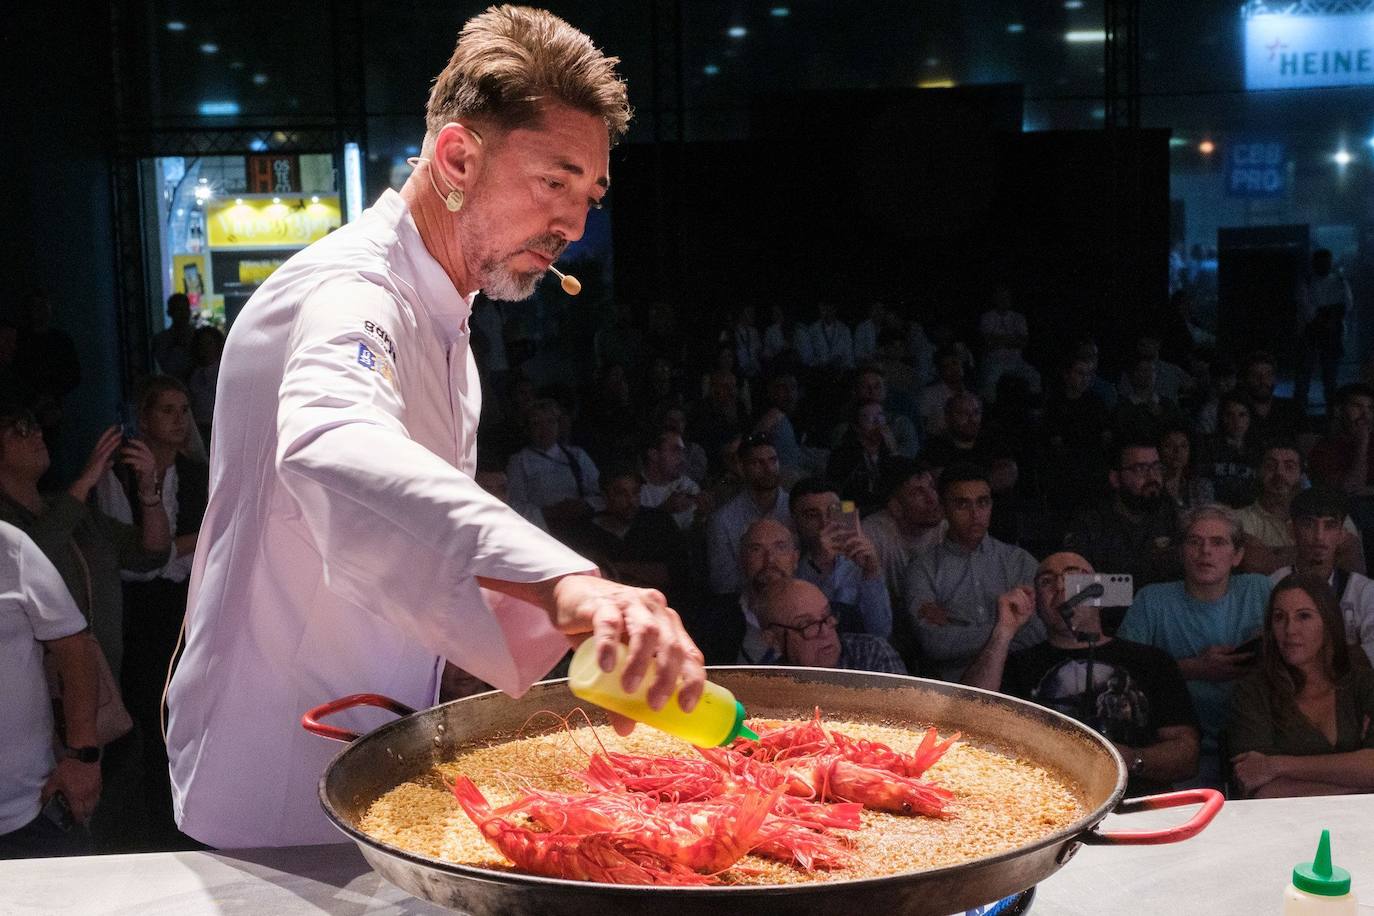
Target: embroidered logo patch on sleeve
378 364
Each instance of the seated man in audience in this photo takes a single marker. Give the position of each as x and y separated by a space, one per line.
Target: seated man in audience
832 343
870 387
761 497
1345 459
629 542
1270 417
840 560
779 423
1206 621
1141 410
1269 541
965 441
1005 335
666 484
799 628
949 381
1133 530
1320 521
727 629
910 521
952 588
558 480
1136 698
37 615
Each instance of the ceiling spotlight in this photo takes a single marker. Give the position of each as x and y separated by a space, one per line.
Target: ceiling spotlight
1015 28
209 48
1085 36
710 69
1342 157
737 31
176 25
1073 4
780 12
932 61
1207 147
259 79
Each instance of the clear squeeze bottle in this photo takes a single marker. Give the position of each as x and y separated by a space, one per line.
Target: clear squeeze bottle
718 718
1319 888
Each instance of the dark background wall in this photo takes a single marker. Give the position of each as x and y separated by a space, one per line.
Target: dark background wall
58 218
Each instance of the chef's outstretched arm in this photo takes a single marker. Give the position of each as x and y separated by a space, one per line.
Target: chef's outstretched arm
611 613
402 532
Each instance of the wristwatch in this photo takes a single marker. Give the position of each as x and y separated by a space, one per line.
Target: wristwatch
1137 764
83 754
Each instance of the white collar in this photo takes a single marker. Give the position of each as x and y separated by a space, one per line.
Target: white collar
435 291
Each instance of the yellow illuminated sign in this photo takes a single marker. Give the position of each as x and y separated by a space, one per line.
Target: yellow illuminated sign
264 222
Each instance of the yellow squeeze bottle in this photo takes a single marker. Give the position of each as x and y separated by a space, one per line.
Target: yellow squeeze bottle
718 718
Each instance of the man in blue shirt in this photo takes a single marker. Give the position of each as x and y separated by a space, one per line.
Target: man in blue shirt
1205 621
839 559
762 497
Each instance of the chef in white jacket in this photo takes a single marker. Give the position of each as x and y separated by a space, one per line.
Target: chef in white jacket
346 547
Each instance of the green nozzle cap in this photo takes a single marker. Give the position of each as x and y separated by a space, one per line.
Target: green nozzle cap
1319 876
739 730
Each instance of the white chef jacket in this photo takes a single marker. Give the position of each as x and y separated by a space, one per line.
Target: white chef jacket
344 532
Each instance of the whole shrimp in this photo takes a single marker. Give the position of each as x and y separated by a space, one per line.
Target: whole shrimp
829 777
879 756
785 741
604 857
688 780
704 836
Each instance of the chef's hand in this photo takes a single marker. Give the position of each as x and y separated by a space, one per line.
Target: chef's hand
640 618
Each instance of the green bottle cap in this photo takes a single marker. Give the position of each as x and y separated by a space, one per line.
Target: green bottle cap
1319 876
739 730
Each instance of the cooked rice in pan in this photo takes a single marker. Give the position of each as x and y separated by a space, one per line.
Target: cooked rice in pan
1001 803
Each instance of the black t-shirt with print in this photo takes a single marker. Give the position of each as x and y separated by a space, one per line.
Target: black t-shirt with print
1137 689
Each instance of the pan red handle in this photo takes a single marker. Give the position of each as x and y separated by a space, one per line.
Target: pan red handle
1210 799
311 720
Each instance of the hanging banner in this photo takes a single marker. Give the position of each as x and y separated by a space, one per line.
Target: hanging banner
262 223
1304 52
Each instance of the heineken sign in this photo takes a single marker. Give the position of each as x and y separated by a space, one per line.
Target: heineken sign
1304 52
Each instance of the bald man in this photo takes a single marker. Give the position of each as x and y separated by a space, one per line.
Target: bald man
1137 698
799 629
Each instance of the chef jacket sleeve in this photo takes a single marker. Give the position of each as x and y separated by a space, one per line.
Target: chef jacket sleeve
403 533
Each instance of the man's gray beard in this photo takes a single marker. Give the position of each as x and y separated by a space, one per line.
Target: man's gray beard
500 282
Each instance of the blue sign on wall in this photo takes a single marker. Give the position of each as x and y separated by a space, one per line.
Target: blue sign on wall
1256 168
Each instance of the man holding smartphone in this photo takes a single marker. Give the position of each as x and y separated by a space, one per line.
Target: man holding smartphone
1132 694
40 797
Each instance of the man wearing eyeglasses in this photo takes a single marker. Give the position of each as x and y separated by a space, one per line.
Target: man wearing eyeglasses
1133 530
799 629
1130 693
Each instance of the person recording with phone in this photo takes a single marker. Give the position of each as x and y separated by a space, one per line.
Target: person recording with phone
839 559
1130 693
43 797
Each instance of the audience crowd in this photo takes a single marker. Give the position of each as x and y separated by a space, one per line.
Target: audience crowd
882 497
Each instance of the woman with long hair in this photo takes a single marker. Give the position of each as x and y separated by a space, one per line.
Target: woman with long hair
155 601
1301 723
